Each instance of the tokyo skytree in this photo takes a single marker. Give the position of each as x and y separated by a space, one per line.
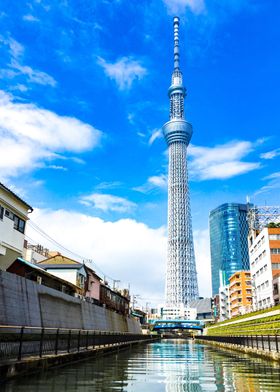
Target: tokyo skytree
181 276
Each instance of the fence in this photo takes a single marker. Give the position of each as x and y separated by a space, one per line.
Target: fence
20 342
261 342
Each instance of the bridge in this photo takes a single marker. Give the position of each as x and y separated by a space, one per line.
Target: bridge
197 325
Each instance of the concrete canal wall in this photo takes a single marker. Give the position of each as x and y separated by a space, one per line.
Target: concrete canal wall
33 364
23 302
253 351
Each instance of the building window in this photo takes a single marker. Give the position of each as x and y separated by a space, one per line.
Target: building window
9 214
274 236
1 212
19 224
275 251
275 266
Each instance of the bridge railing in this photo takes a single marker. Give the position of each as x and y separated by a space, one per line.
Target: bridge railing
261 342
20 342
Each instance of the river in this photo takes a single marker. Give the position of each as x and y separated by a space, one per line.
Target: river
169 365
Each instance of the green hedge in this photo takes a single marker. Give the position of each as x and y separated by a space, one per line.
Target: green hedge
256 313
263 326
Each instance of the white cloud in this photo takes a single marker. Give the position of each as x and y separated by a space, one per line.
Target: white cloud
56 167
33 75
271 154
179 6
272 184
30 18
152 183
126 249
16 68
222 161
106 202
203 261
30 135
159 181
15 48
156 134
124 71
272 176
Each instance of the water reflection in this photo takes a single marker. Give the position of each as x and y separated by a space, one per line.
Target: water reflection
169 366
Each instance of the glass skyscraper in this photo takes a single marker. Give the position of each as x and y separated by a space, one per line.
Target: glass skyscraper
228 242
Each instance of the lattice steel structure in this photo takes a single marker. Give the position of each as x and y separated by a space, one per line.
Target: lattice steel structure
181 277
260 216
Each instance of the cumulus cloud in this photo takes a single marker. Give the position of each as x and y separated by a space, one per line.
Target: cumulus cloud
222 161
179 6
30 135
124 71
106 202
126 249
17 69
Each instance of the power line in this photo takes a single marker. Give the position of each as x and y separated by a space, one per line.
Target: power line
35 227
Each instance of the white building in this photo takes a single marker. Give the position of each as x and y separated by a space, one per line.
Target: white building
224 303
264 252
65 268
13 216
35 253
176 313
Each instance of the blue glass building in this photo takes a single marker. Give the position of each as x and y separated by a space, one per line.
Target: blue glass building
228 242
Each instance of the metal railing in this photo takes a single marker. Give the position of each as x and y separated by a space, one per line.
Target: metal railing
260 342
20 342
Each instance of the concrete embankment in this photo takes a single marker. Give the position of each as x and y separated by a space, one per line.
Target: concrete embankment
28 365
24 302
256 352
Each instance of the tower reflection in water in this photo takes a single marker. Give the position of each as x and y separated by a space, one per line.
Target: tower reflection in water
167 366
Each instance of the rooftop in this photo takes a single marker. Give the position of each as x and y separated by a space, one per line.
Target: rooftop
59 260
2 186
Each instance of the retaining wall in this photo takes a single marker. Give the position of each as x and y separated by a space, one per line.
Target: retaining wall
271 355
23 302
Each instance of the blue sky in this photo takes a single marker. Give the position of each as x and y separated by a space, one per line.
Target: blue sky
83 98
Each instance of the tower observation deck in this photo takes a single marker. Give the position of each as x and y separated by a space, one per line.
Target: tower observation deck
181 276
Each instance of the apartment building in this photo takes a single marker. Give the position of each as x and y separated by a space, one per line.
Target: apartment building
240 293
264 252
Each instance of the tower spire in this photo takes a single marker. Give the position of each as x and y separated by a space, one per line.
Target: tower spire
176 22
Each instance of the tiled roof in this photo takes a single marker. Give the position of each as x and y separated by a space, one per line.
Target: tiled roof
59 260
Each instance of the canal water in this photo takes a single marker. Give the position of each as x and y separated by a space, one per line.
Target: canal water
169 365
